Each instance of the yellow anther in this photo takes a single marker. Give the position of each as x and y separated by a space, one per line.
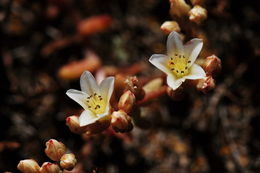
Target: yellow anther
96 104
179 65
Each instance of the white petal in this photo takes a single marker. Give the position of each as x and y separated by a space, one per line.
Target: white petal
196 72
87 117
107 88
88 83
160 61
174 43
192 49
78 96
173 82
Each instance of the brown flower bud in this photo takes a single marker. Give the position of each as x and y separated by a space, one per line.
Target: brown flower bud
48 167
197 14
28 166
168 26
54 149
133 84
68 161
179 8
212 65
73 123
121 122
126 101
206 84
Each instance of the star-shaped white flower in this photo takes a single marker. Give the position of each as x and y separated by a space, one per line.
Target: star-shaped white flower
179 64
93 98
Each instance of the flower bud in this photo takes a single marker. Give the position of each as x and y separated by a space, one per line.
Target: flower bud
179 8
28 166
54 149
168 26
133 84
48 167
73 123
126 101
212 65
206 84
68 161
121 122
197 14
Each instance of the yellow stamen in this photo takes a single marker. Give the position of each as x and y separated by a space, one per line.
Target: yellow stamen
179 65
96 104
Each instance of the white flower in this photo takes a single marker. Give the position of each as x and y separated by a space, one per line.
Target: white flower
179 64
93 98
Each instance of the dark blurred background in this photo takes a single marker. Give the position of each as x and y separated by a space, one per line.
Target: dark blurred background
217 132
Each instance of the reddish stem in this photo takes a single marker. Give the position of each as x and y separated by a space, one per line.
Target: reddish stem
152 95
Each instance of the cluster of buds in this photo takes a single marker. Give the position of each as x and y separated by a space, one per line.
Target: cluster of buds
196 14
212 66
56 151
121 121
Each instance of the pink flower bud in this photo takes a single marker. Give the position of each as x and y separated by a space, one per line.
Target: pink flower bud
197 14
48 167
168 26
73 123
68 161
121 122
54 149
206 84
126 101
28 166
212 65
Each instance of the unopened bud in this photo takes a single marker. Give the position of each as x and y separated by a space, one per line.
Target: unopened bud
121 122
48 167
212 65
28 166
68 161
73 123
55 149
197 14
126 101
133 84
179 8
168 26
206 84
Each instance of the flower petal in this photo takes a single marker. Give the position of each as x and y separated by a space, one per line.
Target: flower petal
196 72
88 83
87 117
174 43
173 82
78 96
160 61
192 49
107 88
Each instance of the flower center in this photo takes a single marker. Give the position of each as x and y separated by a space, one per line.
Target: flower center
96 104
179 65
